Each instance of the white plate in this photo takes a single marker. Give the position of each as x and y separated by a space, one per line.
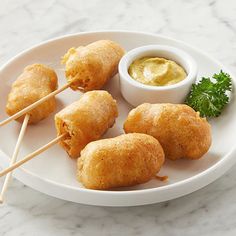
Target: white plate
53 172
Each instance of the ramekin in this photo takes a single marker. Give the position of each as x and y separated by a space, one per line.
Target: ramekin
137 93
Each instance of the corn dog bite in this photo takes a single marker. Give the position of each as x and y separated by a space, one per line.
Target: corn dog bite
126 160
91 66
85 120
179 129
34 83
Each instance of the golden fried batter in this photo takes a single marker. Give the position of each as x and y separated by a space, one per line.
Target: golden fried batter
85 120
34 83
179 129
126 160
91 66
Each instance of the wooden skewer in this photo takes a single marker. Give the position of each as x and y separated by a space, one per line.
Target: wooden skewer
32 155
32 106
14 156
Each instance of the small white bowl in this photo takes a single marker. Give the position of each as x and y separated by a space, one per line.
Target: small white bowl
137 93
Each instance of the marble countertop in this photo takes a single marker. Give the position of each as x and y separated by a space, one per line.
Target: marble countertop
207 24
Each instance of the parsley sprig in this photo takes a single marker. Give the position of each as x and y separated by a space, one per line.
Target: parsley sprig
209 96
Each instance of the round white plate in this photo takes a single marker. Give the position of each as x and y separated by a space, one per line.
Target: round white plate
53 172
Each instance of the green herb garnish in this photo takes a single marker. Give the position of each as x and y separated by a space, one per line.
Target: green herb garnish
209 96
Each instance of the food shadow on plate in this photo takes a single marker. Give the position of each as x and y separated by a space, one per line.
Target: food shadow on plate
184 168
177 171
42 132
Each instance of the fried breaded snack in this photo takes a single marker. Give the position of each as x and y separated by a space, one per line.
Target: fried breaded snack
126 160
90 67
179 129
85 120
34 83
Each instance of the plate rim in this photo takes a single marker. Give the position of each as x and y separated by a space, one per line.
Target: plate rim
22 174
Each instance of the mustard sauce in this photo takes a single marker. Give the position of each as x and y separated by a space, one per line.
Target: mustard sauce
156 71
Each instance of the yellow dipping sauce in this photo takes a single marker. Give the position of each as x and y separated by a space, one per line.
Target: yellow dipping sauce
156 71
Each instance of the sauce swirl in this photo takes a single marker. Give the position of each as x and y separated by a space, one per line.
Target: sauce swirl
156 71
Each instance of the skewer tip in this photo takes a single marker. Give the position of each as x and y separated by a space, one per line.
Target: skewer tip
1 199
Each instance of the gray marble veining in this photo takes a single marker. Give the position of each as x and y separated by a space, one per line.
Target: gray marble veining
207 24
